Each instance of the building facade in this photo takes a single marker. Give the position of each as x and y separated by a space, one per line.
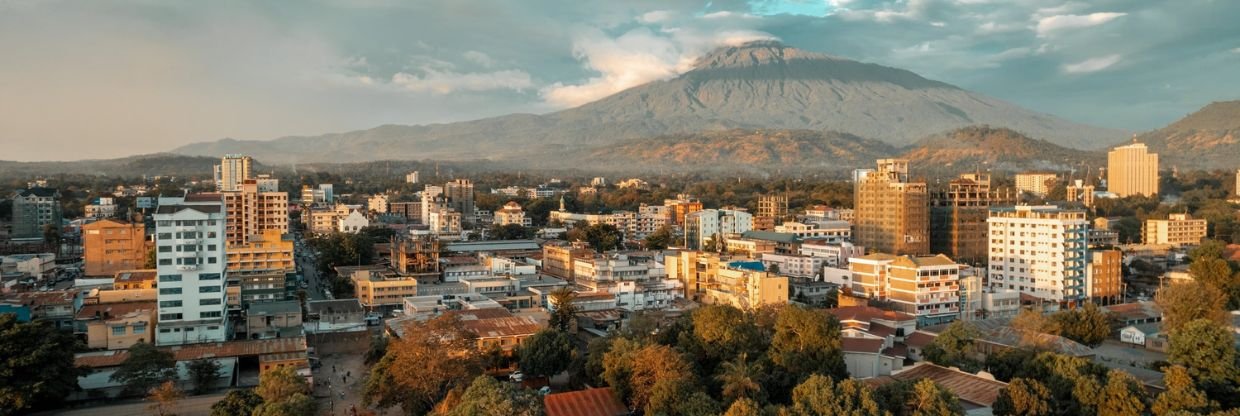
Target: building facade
1040 251
511 213
1177 230
715 225
232 171
33 210
958 217
1132 170
1036 183
1105 282
927 287
891 211
110 246
191 264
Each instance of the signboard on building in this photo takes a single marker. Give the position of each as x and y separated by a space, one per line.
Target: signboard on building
145 202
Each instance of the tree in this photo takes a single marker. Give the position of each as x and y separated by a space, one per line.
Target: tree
1184 302
642 374
744 407
150 259
546 353
510 232
739 379
52 235
603 237
1181 395
1209 268
488 397
1088 325
1122 396
1207 350
660 239
164 398
237 402
431 359
284 393
1023 397
954 347
1033 327
821 395
725 331
930 399
203 373
36 364
564 316
378 348
145 368
807 342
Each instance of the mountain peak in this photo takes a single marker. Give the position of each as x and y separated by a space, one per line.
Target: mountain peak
754 53
1218 115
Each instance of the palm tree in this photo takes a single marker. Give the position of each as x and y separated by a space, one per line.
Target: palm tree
739 378
565 311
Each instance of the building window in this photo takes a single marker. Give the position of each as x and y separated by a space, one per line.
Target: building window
118 330
208 289
170 304
169 277
206 302
169 316
139 328
214 314
209 276
165 262
170 291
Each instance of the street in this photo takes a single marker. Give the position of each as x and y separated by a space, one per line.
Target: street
309 271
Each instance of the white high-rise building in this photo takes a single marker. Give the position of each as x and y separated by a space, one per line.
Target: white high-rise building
191 263
411 177
1039 251
232 171
704 225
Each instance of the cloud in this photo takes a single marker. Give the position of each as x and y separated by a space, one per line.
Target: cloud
1091 65
1050 24
655 16
637 57
437 82
479 58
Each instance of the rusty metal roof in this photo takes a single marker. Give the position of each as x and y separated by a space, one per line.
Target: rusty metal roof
588 402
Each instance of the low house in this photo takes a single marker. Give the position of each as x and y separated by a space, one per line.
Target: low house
1149 336
265 320
116 326
334 315
869 356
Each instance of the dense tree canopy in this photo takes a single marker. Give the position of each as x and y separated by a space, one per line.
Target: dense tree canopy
36 364
954 347
545 353
419 369
486 396
145 368
1023 397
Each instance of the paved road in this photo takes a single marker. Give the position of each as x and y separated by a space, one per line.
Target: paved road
309 271
189 406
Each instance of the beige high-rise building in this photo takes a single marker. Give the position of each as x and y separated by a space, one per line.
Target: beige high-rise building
892 213
231 172
1132 170
1035 183
1176 230
772 209
255 207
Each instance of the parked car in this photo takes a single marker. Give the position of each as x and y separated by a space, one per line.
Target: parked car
516 377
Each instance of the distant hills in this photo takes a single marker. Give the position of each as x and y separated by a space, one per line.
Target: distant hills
1209 137
757 86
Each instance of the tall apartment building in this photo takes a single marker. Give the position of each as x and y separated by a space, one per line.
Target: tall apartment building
511 213
558 257
681 207
1040 251
110 246
190 260
411 177
253 208
891 211
1132 170
1036 183
101 207
772 210
378 203
232 171
460 194
432 198
958 217
1176 230
34 209
714 225
270 252
1105 281
927 287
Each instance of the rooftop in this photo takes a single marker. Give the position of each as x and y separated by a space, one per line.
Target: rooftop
492 245
270 308
771 236
588 402
197 351
864 345
970 388
113 310
334 306
868 313
497 322
135 275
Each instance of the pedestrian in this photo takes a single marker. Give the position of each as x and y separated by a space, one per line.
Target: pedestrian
333 369
349 373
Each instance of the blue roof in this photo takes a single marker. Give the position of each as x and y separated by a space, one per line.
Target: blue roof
22 312
748 265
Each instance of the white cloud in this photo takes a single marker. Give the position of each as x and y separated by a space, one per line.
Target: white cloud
437 82
1050 24
655 16
726 14
1236 50
638 57
479 58
1092 65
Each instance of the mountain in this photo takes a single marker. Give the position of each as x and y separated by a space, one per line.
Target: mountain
995 148
132 166
759 85
1208 138
737 149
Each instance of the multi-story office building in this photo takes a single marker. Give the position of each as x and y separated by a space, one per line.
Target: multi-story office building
926 287
831 231
1132 170
253 208
411 211
558 257
635 278
431 199
101 207
1176 230
833 254
714 225
232 171
377 203
322 195
1040 251
33 210
1036 183
460 194
772 210
110 246
190 260
268 252
958 217
411 177
891 211
1105 281
634 225
793 265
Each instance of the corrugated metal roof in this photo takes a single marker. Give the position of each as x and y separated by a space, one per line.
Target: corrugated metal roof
969 387
588 402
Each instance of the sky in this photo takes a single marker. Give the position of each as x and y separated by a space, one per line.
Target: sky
102 79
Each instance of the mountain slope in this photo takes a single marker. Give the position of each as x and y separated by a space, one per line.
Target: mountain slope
761 85
1207 138
995 148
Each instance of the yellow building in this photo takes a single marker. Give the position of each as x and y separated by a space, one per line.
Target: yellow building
375 288
1132 170
117 326
1035 183
714 280
110 246
1176 230
271 251
891 211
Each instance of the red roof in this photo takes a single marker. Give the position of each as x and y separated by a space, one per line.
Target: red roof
919 339
197 351
866 345
589 402
868 313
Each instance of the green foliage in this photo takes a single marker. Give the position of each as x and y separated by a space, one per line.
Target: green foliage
510 232
431 359
739 379
917 398
660 239
342 249
545 353
145 368
376 351
954 347
280 385
1207 350
1088 325
1184 302
602 237
164 398
488 397
1182 395
744 407
564 317
297 404
1122 396
237 402
1023 397
1209 268
651 377
203 373
725 332
36 365
807 341
821 395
